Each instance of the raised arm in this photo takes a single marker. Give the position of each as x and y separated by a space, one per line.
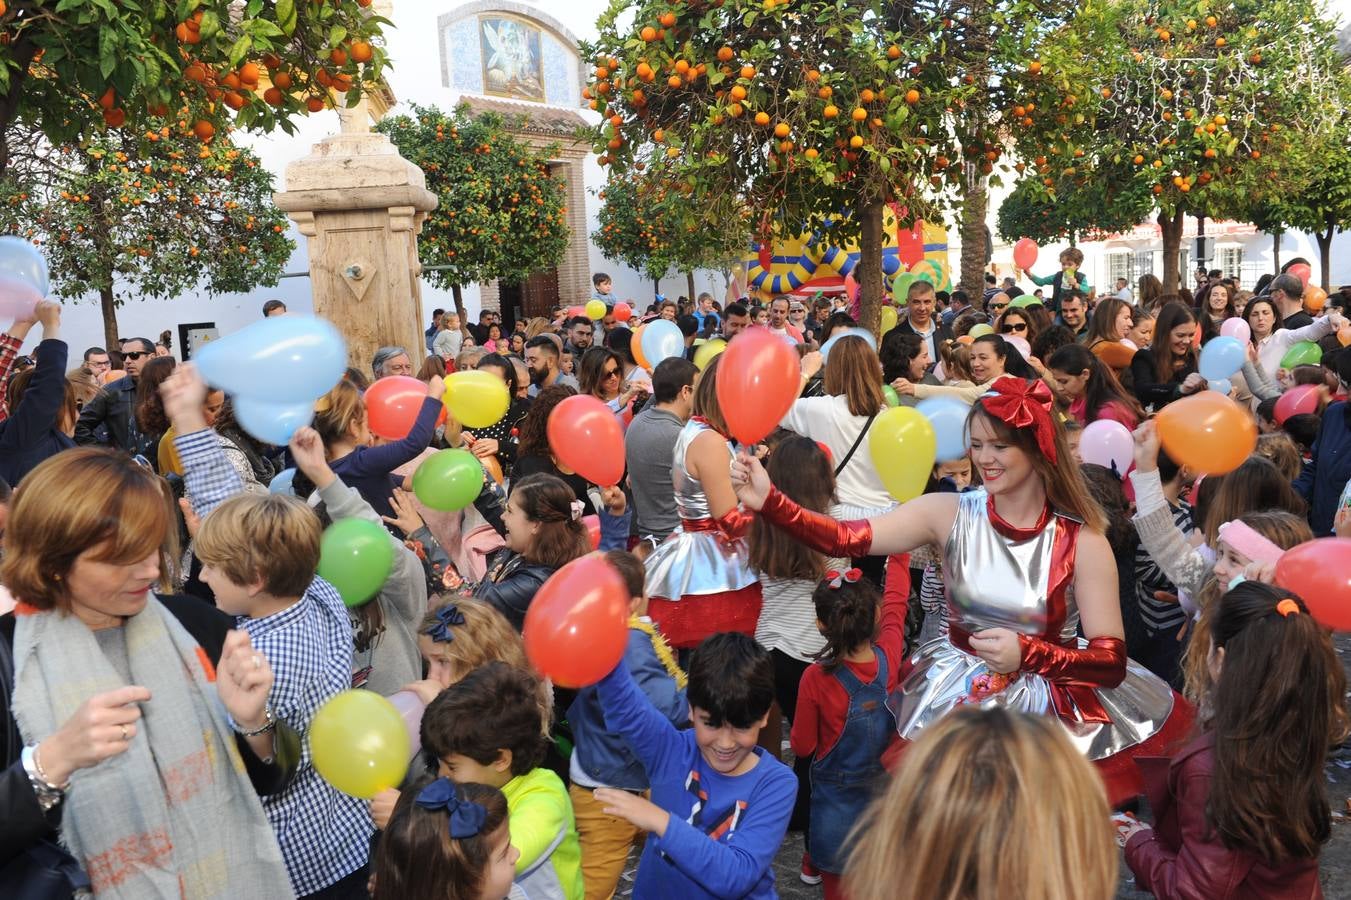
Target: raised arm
209 477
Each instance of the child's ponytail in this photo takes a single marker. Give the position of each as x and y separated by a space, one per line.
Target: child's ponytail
846 608
1278 705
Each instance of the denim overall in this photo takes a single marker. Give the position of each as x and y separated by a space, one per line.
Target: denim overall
846 779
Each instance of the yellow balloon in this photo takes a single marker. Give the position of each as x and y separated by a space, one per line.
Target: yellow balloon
980 330
476 399
903 447
359 743
706 351
889 318
595 310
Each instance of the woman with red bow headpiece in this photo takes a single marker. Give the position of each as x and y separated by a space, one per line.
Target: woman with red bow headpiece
1027 569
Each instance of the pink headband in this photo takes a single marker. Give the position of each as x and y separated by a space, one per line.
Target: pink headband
1248 542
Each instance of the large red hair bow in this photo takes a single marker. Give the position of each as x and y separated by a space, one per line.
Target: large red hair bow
1023 404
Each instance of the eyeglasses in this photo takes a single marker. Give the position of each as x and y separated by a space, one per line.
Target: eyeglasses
998 307
611 373
1013 328
135 354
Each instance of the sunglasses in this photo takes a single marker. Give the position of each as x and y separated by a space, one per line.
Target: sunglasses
611 373
998 307
136 354
1013 328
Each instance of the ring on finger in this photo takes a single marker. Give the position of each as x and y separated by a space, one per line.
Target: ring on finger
125 737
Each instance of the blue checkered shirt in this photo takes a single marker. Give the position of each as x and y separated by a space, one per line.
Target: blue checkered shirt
323 833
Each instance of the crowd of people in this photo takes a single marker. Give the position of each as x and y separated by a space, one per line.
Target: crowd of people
979 683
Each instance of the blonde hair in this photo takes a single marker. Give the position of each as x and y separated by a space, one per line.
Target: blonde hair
271 538
988 803
1281 450
335 412
486 636
86 500
537 326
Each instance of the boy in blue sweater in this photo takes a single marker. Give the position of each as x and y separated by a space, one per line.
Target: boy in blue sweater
720 804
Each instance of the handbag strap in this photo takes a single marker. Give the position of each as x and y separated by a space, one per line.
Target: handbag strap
858 440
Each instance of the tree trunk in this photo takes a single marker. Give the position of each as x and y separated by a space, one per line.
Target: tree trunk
689 283
1171 227
975 205
656 288
458 293
869 270
1324 239
21 53
1276 249
109 308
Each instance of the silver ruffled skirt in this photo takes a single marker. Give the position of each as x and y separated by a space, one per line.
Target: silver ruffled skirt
691 563
943 676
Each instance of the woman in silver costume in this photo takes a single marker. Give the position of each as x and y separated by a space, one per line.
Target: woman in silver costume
1027 568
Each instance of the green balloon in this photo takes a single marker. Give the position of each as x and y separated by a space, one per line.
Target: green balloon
356 557
1304 353
980 330
889 394
448 480
1023 300
901 286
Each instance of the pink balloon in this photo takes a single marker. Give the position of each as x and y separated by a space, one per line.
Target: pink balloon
1300 399
1021 343
1237 329
1301 271
1025 253
18 298
1108 444
851 287
410 707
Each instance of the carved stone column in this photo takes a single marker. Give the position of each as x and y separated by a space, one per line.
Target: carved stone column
361 205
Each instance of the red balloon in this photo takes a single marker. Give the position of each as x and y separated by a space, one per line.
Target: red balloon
585 436
851 287
1025 253
1319 571
577 626
759 377
1300 399
592 524
393 404
575 311
623 312
1300 271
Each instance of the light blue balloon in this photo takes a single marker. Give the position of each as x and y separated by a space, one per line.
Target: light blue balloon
272 423
282 482
852 332
291 359
947 415
662 340
1221 357
1220 386
20 260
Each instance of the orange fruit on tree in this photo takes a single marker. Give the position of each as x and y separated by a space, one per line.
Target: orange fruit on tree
314 104
644 71
1212 21
825 91
748 71
682 66
342 83
648 33
1158 189
203 129
657 135
1220 42
735 110
361 52
338 56
1211 153
762 118
195 72
893 52
672 152
249 73
108 98
324 78
674 81
813 75
1256 154
912 96
233 100
859 114
667 19
831 111
738 92
231 80
856 141
867 96
1034 67
785 146
1106 93
271 60
273 96
283 80
782 130
1139 160
725 54
811 153
1221 120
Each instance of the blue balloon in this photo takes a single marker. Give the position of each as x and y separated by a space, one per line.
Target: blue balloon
272 423
291 359
661 340
21 260
282 482
1220 386
1221 357
852 332
947 415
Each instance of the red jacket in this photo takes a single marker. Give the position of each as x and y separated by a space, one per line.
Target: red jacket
1180 859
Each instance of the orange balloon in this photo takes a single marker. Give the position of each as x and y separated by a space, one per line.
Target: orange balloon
965 339
1314 298
577 626
636 348
1344 335
1207 432
759 377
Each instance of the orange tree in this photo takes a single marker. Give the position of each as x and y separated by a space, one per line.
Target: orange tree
1321 207
501 213
72 67
147 216
646 226
1077 211
1211 105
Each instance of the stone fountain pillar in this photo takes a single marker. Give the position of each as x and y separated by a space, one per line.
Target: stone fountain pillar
361 205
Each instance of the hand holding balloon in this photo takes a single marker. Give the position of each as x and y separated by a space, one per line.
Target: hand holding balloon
750 481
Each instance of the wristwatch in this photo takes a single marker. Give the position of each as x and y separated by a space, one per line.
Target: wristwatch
49 795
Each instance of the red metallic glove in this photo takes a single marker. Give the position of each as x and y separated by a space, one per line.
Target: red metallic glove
1101 664
735 523
818 530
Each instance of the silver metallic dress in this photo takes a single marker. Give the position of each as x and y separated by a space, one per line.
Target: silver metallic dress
1022 579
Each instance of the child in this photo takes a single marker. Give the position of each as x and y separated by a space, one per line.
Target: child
341 420
1241 810
953 476
259 555
842 719
1068 279
486 729
446 841
720 804
602 759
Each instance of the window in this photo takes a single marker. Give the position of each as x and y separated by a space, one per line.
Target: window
1120 264
1229 260
1144 263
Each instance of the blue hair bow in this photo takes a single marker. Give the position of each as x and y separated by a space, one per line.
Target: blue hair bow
445 618
466 816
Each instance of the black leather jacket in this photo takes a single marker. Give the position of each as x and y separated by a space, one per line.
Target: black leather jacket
511 584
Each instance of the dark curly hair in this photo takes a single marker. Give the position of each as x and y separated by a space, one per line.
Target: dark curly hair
533 431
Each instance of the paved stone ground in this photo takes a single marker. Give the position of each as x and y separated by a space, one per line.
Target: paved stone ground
1335 861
